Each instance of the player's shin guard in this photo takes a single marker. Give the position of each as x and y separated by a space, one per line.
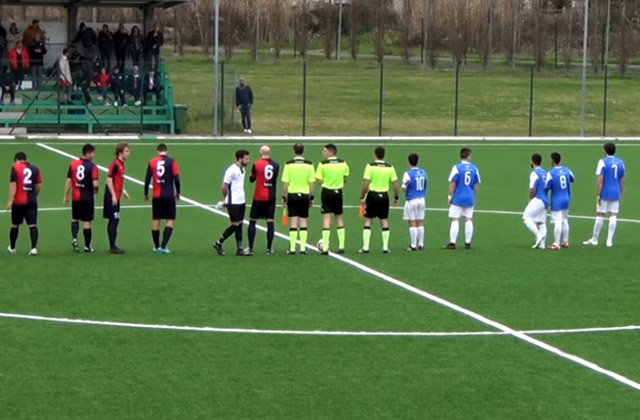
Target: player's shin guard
13 237
33 232
532 226
326 237
166 236
543 232
597 227
420 236
453 231
87 237
613 223
271 233
251 234
112 231
341 237
468 231
366 237
226 234
565 231
557 232
155 234
303 238
413 235
75 228
293 237
239 237
385 239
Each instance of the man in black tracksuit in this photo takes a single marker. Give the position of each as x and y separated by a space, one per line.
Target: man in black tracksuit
121 45
105 43
117 86
36 51
244 101
88 39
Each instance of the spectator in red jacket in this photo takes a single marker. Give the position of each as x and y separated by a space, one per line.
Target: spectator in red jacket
102 81
19 60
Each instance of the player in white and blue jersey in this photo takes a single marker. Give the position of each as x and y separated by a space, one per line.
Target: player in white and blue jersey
414 184
463 186
610 185
535 214
558 181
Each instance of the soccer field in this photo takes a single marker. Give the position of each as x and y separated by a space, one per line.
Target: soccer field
483 333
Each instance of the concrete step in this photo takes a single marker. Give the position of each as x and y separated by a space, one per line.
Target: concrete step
10 115
17 131
7 99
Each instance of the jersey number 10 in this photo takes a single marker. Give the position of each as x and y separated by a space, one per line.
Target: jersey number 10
421 183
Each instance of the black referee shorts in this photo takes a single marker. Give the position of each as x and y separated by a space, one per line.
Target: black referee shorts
298 205
331 202
376 205
24 213
83 211
163 208
236 212
263 210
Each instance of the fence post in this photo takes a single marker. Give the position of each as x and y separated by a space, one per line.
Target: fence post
304 97
144 99
455 108
531 102
59 112
604 105
555 48
380 109
222 98
422 41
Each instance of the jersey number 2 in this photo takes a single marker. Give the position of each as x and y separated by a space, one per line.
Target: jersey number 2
27 176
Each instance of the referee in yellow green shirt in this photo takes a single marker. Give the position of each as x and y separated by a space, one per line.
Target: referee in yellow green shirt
378 175
331 174
297 195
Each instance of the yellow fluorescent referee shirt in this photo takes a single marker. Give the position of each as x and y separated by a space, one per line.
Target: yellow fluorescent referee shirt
298 173
331 173
380 174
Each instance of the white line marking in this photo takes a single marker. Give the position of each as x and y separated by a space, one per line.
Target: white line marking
436 299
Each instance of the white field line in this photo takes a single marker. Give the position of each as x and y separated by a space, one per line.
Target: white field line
436 209
305 332
436 299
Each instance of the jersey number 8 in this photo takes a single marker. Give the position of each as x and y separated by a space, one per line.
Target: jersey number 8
80 173
563 182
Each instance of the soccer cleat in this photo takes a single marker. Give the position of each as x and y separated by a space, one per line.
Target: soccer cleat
553 247
249 131
245 130
564 245
218 248
590 242
33 252
363 251
243 253
467 245
410 248
290 252
609 244
249 251
303 252
323 252
125 106
11 250
450 245
75 246
340 251
158 251
137 103
539 240
89 249
166 251
116 250
269 251
386 251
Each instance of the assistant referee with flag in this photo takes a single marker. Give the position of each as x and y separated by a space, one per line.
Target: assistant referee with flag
331 174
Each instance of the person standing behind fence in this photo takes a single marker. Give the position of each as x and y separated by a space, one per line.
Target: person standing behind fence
105 44
30 34
136 46
13 36
19 60
88 38
3 42
152 45
37 51
244 101
65 79
121 45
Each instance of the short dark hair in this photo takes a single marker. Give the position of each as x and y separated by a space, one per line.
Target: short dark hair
65 51
120 148
82 25
332 148
379 152
536 159
413 159
610 149
88 148
162 147
241 153
465 152
20 156
105 26
33 22
298 148
556 158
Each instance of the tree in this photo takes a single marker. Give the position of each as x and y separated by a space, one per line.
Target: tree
278 25
405 22
380 15
303 23
326 11
355 22
538 33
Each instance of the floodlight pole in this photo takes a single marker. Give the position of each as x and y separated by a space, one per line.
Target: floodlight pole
583 111
216 75
339 46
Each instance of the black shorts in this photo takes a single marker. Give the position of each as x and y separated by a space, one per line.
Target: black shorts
24 213
83 211
376 205
236 212
331 201
298 205
263 210
110 211
163 208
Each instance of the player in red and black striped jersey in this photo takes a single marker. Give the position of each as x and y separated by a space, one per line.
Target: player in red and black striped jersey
82 181
112 195
264 173
24 187
163 175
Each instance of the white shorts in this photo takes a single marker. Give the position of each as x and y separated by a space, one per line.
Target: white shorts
455 212
535 211
414 209
559 216
608 206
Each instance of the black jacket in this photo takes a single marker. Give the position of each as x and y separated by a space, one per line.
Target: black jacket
87 36
37 52
134 84
105 40
153 42
121 41
244 95
156 83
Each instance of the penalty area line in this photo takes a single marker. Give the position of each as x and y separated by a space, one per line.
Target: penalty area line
426 295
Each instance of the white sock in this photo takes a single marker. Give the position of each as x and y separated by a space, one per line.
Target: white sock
597 227
557 232
420 236
565 231
413 233
530 224
543 232
613 223
453 231
468 231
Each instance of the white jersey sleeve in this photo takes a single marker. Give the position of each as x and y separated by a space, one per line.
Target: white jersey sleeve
600 167
478 175
405 179
532 180
229 175
454 172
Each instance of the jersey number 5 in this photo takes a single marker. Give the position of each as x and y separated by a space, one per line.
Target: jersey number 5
160 169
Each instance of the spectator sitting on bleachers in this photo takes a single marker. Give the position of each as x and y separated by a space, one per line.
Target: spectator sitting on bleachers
117 87
7 85
19 60
102 81
134 85
151 85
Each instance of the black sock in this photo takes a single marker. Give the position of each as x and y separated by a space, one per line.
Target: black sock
166 235
75 228
239 236
13 237
112 230
155 234
87 237
271 233
227 232
33 231
251 231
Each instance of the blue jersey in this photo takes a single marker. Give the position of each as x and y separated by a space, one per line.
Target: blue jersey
612 171
536 182
558 181
415 181
465 176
